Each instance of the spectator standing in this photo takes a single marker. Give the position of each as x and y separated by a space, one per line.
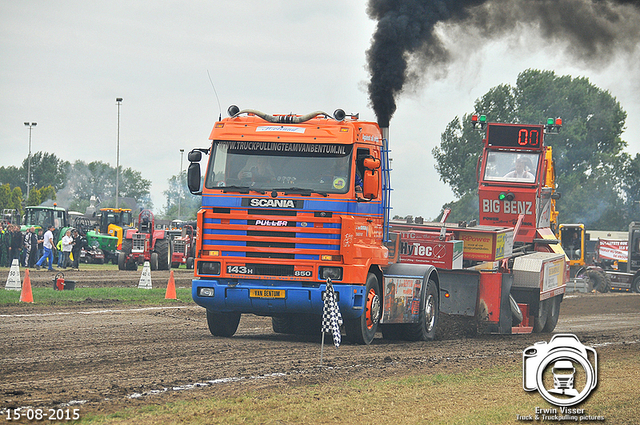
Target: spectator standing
26 247
60 256
34 248
4 252
77 246
48 249
40 238
16 243
67 246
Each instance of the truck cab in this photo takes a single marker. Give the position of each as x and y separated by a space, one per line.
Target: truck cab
516 178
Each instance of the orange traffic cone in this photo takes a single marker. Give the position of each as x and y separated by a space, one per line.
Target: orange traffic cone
171 288
26 296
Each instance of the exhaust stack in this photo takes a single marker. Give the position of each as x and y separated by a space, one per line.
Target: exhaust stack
386 182
385 133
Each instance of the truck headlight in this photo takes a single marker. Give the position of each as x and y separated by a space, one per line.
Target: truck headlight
335 273
206 292
209 267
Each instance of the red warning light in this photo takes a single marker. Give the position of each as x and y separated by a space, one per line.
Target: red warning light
474 118
558 121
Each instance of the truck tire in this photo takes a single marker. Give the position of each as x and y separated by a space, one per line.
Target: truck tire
553 313
362 329
540 320
598 280
127 244
153 263
635 286
164 254
122 261
223 324
281 324
516 313
425 329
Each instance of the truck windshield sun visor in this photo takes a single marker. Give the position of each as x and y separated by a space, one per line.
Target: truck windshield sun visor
292 168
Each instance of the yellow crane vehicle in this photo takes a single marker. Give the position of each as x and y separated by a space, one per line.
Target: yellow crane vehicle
115 221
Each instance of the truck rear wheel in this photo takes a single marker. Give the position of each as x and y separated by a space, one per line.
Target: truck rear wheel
540 320
223 324
425 329
363 329
553 313
635 286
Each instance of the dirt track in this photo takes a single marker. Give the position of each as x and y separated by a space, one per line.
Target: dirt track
104 357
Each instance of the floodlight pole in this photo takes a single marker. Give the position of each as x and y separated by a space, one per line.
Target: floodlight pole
180 182
30 125
118 102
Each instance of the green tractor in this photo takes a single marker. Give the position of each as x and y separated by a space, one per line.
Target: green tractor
100 248
40 217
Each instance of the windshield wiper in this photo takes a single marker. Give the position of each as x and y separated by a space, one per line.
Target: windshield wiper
299 191
239 189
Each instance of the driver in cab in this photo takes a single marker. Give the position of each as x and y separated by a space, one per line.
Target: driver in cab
520 173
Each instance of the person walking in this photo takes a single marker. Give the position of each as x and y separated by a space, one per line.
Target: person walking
48 247
67 246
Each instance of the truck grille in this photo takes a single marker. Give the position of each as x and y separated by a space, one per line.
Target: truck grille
178 246
271 234
139 241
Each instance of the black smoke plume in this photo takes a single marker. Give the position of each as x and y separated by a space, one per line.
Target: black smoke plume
405 44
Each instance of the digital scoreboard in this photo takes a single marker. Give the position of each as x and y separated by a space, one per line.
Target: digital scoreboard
515 135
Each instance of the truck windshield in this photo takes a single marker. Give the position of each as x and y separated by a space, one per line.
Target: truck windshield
511 167
263 166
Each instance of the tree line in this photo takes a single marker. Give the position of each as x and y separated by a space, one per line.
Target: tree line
72 185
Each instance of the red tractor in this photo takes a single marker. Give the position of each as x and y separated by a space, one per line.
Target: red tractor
145 243
183 248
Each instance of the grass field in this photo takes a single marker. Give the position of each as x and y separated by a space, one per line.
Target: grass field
490 396
47 296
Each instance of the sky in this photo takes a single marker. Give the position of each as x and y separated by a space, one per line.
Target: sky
63 64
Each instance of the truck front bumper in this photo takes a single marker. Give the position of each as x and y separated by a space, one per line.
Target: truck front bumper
268 298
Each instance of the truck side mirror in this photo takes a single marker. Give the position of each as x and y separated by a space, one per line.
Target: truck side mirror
371 178
194 156
194 177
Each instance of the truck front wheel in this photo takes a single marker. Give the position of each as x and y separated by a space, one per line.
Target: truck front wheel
425 329
222 324
363 329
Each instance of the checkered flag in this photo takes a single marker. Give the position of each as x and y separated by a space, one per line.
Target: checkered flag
331 317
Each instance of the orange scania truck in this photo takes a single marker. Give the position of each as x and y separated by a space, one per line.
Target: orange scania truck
290 202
